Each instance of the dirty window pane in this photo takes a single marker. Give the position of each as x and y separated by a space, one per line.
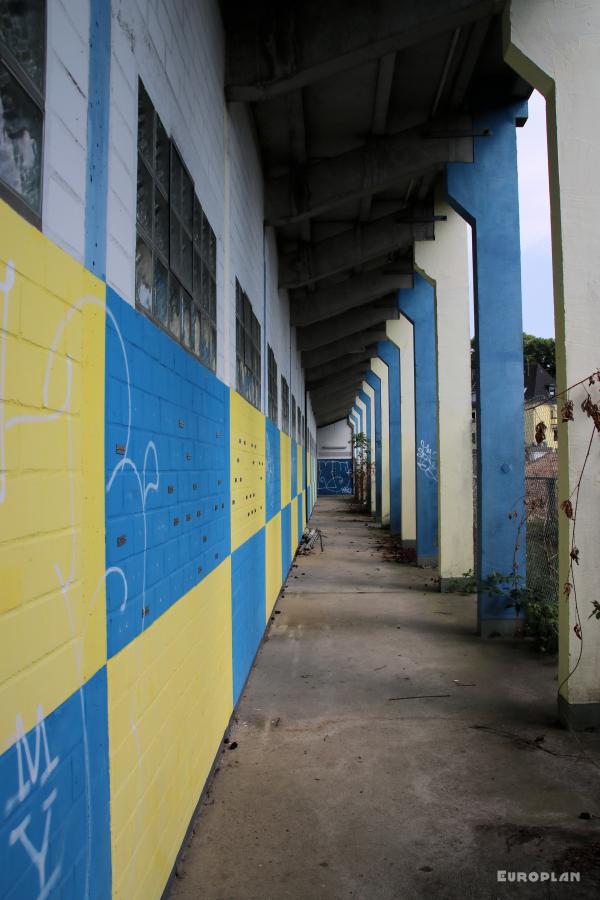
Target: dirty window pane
176 172
213 253
161 292
22 31
161 224
162 156
204 297
175 308
196 326
175 245
143 274
186 330
186 260
213 300
21 123
144 197
187 200
197 276
206 229
145 125
197 224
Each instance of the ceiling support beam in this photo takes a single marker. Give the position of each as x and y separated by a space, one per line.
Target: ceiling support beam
349 249
355 343
292 45
306 308
347 323
342 363
378 165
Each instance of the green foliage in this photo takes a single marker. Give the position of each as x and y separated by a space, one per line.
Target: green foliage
540 350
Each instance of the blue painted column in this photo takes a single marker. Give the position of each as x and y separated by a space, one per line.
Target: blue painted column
375 381
96 192
390 354
418 305
485 193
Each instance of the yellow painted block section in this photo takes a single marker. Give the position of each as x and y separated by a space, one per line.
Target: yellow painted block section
52 596
170 696
295 537
299 452
273 552
248 456
285 454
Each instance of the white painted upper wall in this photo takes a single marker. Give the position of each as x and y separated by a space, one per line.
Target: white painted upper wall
335 441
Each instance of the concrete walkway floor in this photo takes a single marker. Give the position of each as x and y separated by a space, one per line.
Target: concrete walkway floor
342 787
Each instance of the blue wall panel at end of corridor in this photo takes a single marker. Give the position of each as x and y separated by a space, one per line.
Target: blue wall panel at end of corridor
167 472
335 476
54 798
286 541
273 469
248 599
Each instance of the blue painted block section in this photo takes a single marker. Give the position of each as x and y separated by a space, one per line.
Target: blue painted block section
286 541
486 194
334 477
167 472
294 469
96 193
390 354
304 469
300 526
308 501
54 800
273 467
248 599
418 305
375 382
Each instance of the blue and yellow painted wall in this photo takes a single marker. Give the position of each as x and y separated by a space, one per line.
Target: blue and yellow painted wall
148 518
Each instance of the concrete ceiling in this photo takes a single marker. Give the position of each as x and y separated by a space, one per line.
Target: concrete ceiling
358 106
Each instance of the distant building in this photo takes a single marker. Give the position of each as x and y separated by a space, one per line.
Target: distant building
540 405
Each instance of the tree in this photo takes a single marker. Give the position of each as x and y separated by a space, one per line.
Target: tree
540 350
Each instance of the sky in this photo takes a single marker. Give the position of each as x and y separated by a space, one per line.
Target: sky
534 209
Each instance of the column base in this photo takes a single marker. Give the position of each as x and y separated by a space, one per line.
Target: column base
505 628
409 545
429 561
456 585
578 716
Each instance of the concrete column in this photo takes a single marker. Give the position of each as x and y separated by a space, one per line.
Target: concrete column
445 264
418 306
367 396
373 380
486 194
556 47
389 354
381 371
400 333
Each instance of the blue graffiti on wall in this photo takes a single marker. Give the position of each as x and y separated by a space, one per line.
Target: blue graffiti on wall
335 476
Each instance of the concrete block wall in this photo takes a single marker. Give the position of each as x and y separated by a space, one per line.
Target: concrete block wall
135 506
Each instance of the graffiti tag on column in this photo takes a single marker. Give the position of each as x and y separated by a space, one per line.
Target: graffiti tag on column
29 775
427 461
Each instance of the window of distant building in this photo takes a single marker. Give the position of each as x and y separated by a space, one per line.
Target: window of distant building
22 77
176 249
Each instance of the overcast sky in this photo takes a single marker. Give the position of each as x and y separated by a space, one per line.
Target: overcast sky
534 206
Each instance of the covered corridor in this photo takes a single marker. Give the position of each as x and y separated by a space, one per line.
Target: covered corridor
338 788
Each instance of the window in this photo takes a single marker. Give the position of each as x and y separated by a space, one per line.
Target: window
22 68
247 348
176 249
285 405
272 376
293 426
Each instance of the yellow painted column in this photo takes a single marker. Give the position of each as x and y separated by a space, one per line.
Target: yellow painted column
445 264
381 370
400 331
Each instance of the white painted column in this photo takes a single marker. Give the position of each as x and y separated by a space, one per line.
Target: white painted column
400 331
371 395
556 47
445 264
381 370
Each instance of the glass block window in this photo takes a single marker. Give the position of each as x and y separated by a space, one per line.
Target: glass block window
272 376
22 67
247 348
176 249
293 423
285 405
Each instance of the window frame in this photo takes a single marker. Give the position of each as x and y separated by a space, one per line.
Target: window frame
285 405
37 95
272 383
248 327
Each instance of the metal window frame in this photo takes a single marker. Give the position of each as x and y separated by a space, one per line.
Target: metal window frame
252 390
272 379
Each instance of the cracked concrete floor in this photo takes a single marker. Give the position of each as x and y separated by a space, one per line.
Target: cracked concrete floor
343 787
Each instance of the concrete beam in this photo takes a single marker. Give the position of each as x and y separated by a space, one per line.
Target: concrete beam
336 409
336 365
372 168
348 250
348 323
292 45
308 308
340 380
355 343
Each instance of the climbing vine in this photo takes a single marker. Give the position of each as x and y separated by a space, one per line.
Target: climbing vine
362 468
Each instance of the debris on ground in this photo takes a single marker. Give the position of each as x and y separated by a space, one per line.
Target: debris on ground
310 536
